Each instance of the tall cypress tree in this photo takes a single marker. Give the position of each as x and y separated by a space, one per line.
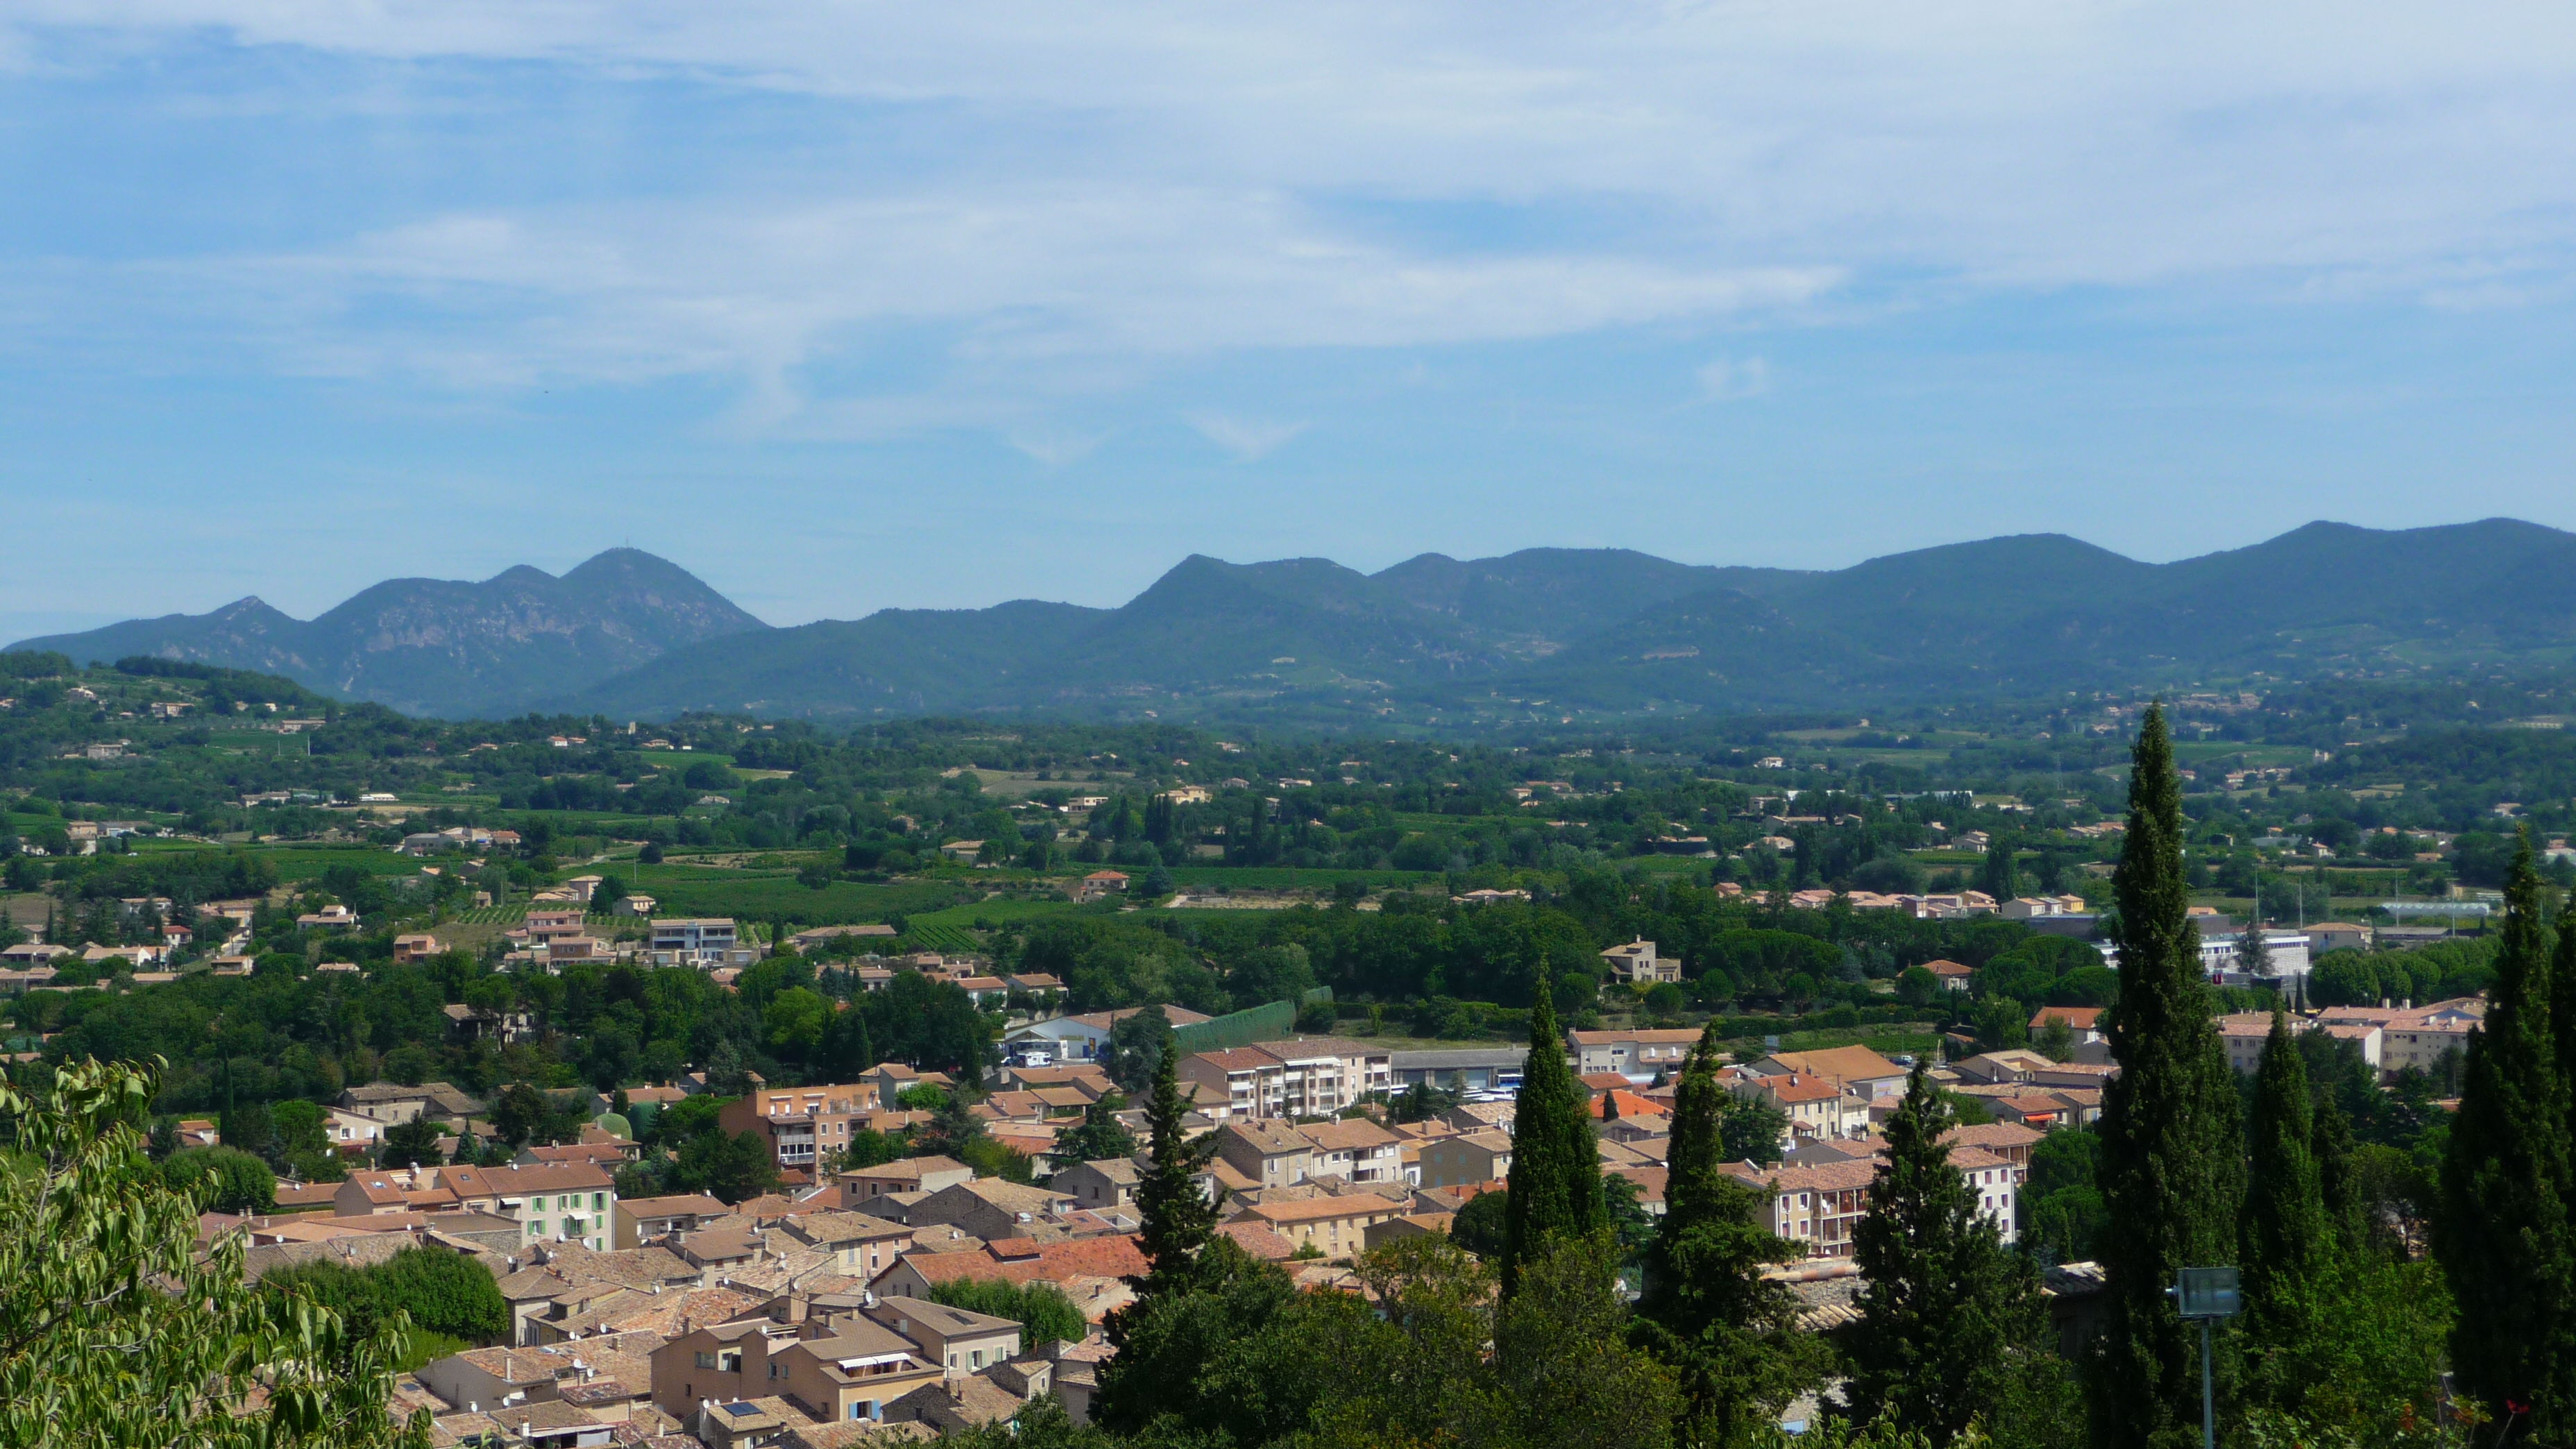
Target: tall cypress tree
1729 1334
2173 1169
1176 1217
2289 1240
2338 1186
2503 1233
2001 877
1555 1179
1949 1315
1696 1146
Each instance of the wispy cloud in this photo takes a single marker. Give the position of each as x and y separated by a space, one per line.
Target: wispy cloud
1728 379
1248 439
1055 449
1076 187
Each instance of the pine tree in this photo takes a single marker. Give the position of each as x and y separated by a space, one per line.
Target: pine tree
2253 952
2172 1172
1555 1178
2502 1233
1949 1315
2290 1244
1176 1217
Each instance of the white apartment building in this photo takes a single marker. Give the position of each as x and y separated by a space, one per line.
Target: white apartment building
705 942
1315 1077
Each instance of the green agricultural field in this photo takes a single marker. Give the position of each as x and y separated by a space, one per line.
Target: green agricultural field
307 862
653 880
762 898
1287 878
950 940
1000 912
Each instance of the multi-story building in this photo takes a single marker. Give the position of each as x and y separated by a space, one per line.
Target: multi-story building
2414 1036
1818 1205
1310 1077
706 942
1337 1227
838 1371
567 1202
1354 1149
1466 1159
1269 1153
643 1219
803 1126
1814 1106
1639 1055
1638 964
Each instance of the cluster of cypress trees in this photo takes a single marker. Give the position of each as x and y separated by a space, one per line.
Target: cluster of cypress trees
2340 1335
1952 1333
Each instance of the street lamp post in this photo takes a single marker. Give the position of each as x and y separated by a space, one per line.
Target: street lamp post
2208 1295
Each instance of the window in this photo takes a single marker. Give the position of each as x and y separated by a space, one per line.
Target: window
537 1228
706 1360
599 1200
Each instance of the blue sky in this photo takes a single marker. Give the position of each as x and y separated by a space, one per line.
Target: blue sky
844 306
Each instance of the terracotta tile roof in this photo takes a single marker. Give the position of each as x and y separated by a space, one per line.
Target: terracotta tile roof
691 1204
520 1181
1347 1134
1992 1135
1259 1240
1840 1064
1630 1105
1320 1209
1268 1137
1649 1180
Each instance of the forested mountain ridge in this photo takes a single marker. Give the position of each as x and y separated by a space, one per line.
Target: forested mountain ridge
439 646
1302 641
1305 641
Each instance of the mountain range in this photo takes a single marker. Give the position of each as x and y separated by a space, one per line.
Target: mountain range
1541 632
436 646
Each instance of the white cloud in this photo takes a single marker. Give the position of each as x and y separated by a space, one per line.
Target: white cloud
1728 379
1248 439
1088 188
